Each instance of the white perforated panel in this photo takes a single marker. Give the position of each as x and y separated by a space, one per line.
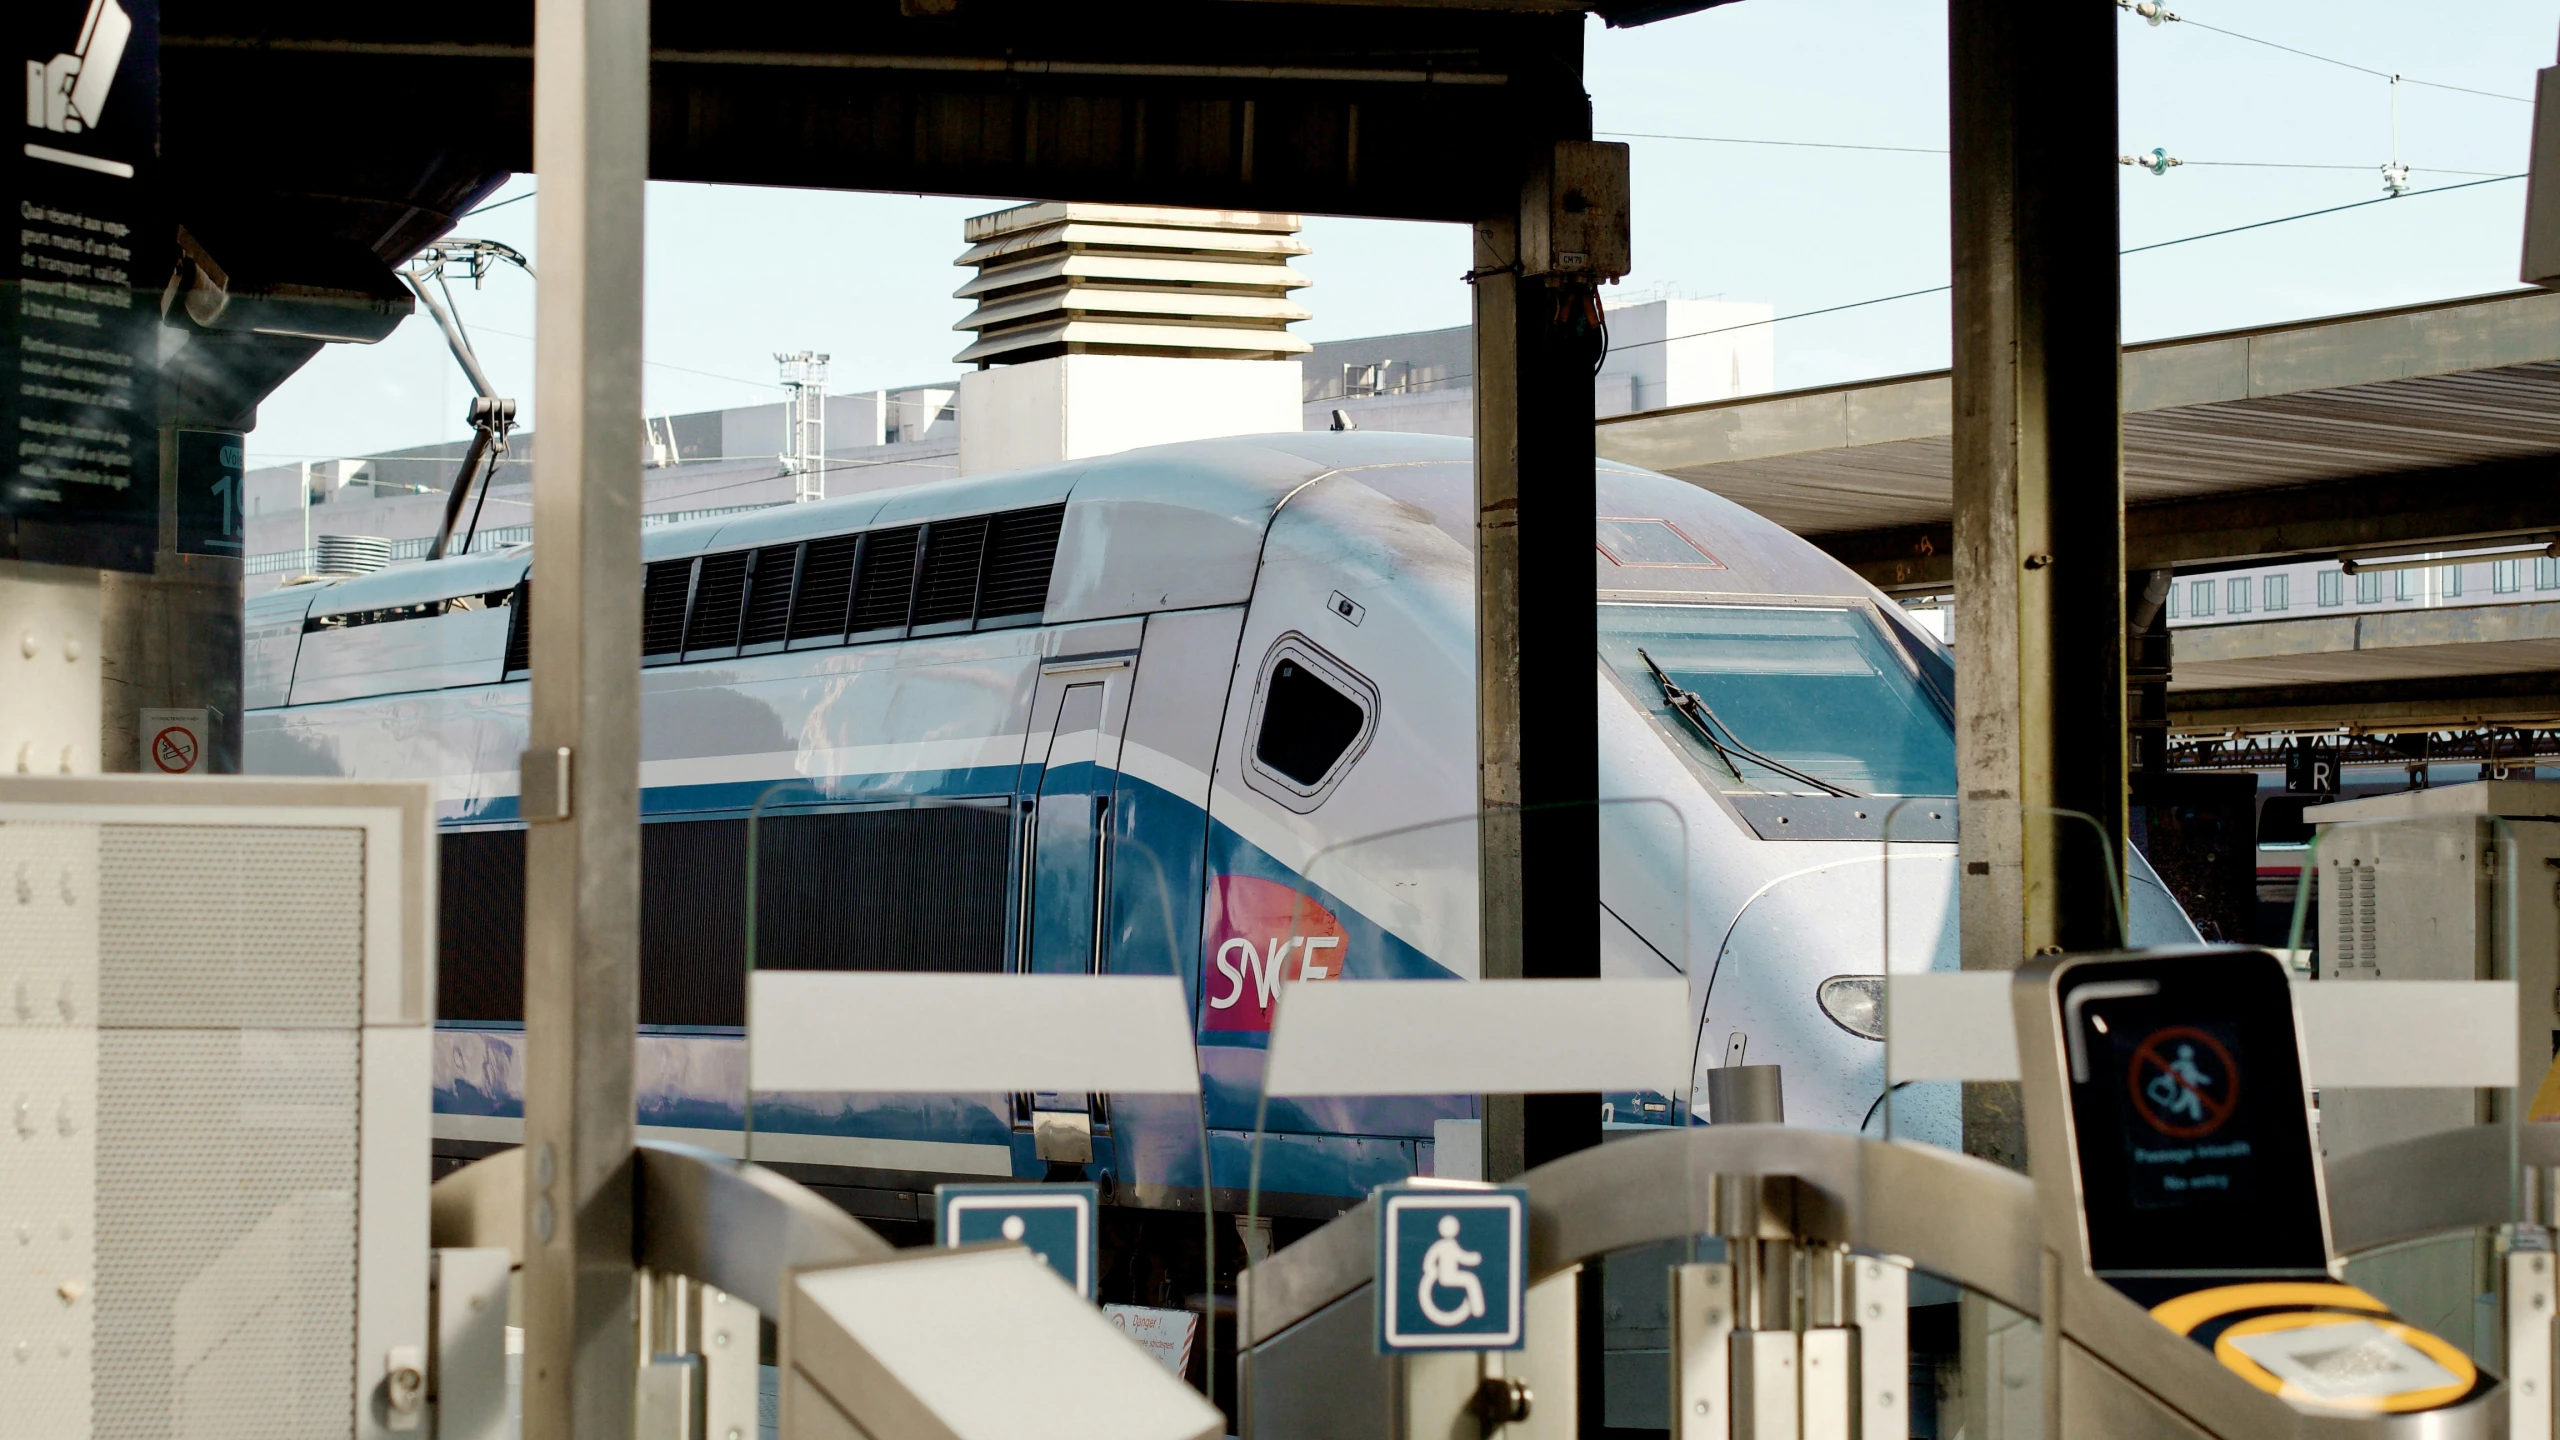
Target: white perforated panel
226 1232
213 1027
220 926
179 1104
48 1084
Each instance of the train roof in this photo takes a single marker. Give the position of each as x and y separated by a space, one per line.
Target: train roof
1180 526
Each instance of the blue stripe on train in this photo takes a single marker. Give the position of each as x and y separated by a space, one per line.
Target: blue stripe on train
735 798
1164 849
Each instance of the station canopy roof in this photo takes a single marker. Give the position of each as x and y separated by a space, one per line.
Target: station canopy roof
2391 429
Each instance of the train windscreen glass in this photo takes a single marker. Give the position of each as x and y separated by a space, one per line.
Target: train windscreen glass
1799 700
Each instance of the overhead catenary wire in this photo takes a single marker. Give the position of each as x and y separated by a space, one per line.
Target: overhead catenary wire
1942 150
1424 386
2159 14
2314 214
496 205
2363 169
1439 381
2128 250
653 364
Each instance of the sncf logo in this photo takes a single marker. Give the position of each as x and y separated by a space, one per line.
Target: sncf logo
1259 936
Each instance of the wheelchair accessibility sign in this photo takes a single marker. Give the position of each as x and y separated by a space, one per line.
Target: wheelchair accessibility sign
1453 1267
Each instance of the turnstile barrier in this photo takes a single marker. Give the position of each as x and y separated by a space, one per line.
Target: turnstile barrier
1792 1262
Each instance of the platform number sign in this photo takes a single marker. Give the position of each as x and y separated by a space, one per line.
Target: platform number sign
209 483
1055 1222
2311 770
1453 1267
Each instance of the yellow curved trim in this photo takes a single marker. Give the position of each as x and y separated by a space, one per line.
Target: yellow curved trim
2238 1363
2546 1096
2185 1312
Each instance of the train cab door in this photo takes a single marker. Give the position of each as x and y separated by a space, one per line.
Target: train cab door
1063 812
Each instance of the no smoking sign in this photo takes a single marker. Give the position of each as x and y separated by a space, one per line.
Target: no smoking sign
174 742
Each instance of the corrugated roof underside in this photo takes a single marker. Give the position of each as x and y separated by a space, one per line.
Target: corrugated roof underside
2425 422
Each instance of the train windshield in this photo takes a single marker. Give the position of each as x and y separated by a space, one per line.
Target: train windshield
1801 701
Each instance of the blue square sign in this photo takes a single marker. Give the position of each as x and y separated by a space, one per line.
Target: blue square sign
1056 1222
1453 1267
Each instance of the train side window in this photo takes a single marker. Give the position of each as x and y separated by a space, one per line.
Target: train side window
1312 717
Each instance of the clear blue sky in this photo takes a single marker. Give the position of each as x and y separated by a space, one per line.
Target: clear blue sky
736 274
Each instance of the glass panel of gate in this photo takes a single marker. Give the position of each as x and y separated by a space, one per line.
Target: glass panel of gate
1064 879
1909 863
1797 945
1952 1071
1847 1341
1403 904
1322 1102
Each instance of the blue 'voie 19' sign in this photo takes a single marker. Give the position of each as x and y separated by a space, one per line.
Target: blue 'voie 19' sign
1055 1222
1453 1267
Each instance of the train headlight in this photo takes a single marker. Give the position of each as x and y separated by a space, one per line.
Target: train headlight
1855 1003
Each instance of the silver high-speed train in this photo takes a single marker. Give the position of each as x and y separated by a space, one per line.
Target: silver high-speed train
1192 710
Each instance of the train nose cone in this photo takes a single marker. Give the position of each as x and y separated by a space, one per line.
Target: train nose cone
1759 925
1796 975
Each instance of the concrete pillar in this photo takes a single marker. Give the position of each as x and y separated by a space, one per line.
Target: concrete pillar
2039 494
170 639
1537 727
582 775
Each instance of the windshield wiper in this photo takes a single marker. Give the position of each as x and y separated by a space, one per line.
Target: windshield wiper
1688 706
1692 707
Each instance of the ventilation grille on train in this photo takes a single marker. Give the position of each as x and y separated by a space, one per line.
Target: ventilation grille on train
826 584
719 589
1025 549
520 627
664 597
975 570
769 595
887 582
951 572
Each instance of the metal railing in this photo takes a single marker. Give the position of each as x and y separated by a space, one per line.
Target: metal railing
1820 1233
716 1240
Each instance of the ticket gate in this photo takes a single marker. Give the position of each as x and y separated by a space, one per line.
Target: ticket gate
2184 1223
872 1343
2172 1271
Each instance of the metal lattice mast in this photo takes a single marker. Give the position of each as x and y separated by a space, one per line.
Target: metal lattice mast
804 422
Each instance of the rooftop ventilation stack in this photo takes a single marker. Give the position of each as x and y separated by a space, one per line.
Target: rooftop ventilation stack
1104 327
349 554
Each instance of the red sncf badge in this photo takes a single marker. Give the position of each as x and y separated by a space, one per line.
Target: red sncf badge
1260 935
